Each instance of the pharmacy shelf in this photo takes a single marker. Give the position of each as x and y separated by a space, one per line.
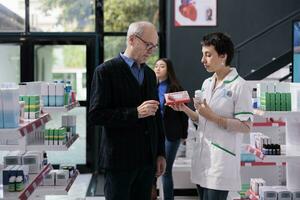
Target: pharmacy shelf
17 136
53 147
292 114
27 127
184 164
57 189
268 124
273 158
35 182
30 187
60 108
257 164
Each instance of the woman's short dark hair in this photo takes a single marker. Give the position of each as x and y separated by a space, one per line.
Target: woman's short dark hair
221 42
172 79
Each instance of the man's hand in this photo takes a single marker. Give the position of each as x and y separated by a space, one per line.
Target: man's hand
160 166
147 108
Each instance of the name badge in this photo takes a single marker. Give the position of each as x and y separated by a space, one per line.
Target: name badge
227 93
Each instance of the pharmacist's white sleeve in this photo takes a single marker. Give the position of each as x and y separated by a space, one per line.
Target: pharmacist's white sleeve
243 106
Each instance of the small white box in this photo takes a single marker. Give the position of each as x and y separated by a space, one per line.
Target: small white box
52 89
49 179
45 89
59 89
61 177
34 160
13 158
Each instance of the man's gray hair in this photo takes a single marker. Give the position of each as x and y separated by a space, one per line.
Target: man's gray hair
137 28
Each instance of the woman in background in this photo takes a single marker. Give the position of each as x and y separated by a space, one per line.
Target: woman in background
175 122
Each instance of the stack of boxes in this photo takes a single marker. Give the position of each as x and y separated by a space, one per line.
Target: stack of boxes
274 96
60 136
17 167
55 136
32 106
56 177
9 106
56 94
69 122
14 177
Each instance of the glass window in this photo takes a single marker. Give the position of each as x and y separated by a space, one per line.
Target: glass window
12 15
296 48
113 45
62 16
10 63
65 62
62 62
118 14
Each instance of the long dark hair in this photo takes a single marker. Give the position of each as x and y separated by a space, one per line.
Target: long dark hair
171 76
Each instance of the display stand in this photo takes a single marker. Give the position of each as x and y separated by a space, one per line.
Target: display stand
292 155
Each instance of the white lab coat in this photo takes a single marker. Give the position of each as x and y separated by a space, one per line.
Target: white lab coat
213 167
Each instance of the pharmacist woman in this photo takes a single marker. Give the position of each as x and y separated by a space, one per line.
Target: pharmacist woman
224 114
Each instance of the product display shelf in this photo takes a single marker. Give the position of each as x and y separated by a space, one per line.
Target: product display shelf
273 158
256 164
268 124
28 126
53 147
34 181
277 114
291 155
56 190
19 134
60 108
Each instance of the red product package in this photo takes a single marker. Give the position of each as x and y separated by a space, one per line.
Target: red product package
177 97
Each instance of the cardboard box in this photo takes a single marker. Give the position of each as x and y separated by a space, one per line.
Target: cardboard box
177 97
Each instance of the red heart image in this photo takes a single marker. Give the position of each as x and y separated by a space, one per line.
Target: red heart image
188 11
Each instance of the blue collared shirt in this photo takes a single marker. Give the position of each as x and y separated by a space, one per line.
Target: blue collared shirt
138 72
162 89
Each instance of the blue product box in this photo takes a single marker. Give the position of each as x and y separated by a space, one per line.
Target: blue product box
11 119
45 101
59 100
51 100
1 112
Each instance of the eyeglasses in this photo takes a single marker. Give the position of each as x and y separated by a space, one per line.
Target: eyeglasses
149 45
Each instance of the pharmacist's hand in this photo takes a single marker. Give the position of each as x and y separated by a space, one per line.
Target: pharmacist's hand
178 106
160 166
197 103
147 108
205 111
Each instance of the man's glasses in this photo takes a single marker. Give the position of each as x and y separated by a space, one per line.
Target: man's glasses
149 45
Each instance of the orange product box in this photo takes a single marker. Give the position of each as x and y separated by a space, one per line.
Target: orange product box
177 97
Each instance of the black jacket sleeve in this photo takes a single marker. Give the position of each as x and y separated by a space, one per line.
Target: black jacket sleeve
101 112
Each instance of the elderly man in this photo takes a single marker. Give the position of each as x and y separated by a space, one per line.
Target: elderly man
124 102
